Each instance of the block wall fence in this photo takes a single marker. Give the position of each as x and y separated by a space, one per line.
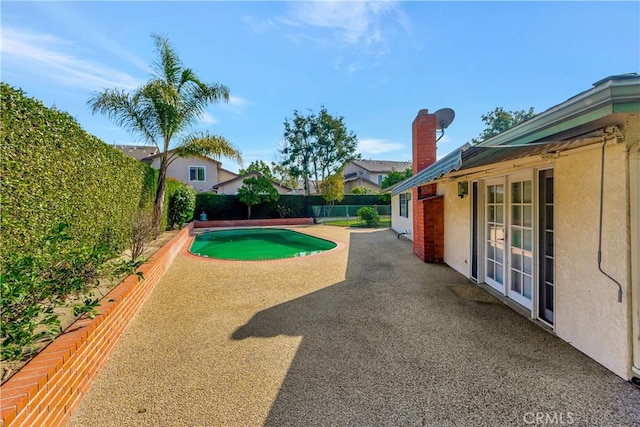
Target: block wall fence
47 390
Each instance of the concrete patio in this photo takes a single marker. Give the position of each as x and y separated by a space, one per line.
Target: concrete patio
365 335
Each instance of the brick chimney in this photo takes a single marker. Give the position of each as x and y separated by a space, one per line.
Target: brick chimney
423 140
428 209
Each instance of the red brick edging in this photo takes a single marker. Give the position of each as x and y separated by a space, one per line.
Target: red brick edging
49 388
253 222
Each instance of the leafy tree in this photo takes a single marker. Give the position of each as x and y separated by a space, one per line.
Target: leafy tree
255 190
282 175
164 108
332 189
499 120
260 167
361 189
317 145
395 177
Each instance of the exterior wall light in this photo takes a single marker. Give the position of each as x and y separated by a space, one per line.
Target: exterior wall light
463 189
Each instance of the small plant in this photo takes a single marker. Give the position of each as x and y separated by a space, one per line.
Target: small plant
369 216
256 190
141 229
34 284
182 204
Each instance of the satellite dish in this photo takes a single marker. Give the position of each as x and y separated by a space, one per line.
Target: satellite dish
444 117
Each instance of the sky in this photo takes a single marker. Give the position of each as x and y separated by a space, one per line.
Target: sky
376 64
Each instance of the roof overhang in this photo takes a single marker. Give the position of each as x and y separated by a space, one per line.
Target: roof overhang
584 119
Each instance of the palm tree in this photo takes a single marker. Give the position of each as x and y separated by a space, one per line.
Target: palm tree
163 108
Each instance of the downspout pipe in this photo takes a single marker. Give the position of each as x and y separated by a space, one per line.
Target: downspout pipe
604 143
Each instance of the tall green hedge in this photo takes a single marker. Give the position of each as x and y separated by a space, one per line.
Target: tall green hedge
54 172
218 206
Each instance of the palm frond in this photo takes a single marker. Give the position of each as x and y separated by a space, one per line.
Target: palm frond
124 110
168 67
207 145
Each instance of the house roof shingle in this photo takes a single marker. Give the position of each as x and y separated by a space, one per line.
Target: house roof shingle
382 165
138 152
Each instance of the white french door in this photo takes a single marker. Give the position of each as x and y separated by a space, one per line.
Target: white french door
521 241
509 237
494 234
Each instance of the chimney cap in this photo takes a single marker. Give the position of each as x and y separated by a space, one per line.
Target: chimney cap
423 112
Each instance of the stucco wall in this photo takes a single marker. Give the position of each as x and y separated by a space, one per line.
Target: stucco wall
400 224
225 175
587 312
230 188
179 169
352 167
457 230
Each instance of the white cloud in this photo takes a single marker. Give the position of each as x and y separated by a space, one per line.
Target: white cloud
378 146
236 104
344 28
50 57
208 119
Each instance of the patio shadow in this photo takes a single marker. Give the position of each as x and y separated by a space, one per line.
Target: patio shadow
400 342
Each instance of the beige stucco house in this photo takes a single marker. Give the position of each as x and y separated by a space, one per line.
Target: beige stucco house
232 185
544 216
200 173
369 173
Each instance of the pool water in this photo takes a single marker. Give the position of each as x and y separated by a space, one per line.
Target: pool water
255 244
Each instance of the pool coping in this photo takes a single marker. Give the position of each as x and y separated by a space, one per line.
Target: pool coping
192 235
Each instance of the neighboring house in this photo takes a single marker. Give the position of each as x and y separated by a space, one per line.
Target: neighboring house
138 152
544 216
369 173
200 173
232 185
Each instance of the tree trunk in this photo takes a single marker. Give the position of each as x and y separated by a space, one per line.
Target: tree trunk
249 214
159 202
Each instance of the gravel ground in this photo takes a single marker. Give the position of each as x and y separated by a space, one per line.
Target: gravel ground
363 336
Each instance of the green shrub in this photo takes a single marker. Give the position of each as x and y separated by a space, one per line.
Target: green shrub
369 216
182 203
67 203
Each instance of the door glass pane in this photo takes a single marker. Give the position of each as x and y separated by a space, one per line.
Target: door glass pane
548 297
515 282
527 216
548 243
516 216
491 214
526 192
492 193
500 215
490 270
499 194
526 287
548 191
516 259
548 270
516 195
528 240
499 254
516 237
527 265
499 274
491 250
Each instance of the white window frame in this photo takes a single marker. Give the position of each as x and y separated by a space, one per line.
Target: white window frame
204 173
406 204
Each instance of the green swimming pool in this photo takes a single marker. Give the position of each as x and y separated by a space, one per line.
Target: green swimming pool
256 244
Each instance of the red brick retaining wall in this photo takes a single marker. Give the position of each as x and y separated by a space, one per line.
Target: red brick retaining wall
48 388
254 222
